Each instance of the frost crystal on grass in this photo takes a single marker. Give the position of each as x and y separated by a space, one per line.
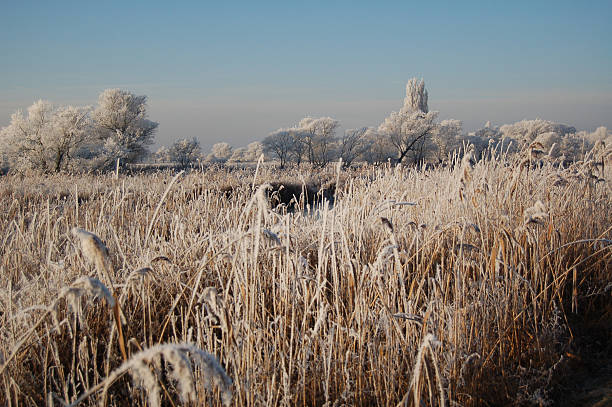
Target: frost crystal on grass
144 367
83 286
94 287
261 197
384 255
212 371
536 214
181 372
94 251
142 375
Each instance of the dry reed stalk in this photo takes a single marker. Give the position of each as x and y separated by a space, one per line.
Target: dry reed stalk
80 287
159 204
96 252
260 160
179 356
426 346
282 312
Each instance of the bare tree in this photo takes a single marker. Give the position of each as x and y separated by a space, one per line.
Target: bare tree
279 144
352 145
318 136
446 139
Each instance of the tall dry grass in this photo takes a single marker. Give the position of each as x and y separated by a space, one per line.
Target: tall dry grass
454 286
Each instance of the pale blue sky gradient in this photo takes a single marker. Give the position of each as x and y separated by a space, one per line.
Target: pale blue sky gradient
238 70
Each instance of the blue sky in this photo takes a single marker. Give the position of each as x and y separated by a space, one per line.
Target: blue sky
235 71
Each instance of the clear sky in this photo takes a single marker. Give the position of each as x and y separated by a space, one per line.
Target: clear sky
234 71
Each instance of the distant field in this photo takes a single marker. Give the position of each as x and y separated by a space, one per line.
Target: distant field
465 285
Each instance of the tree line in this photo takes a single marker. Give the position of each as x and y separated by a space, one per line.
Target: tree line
414 135
53 139
411 135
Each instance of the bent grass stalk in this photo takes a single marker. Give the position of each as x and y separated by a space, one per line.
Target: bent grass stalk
182 373
96 253
78 288
159 204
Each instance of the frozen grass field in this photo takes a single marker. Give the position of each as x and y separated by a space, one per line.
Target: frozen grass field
465 285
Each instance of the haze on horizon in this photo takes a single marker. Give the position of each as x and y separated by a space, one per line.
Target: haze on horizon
235 72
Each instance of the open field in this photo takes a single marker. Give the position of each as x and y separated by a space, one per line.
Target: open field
466 285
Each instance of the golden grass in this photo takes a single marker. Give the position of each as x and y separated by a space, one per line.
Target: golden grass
454 285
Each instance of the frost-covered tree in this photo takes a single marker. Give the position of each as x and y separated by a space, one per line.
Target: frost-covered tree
601 152
162 155
408 132
220 153
307 138
549 141
409 129
47 138
280 144
489 132
480 145
123 127
253 151
600 134
318 136
238 155
598 145
416 97
185 152
526 131
72 130
298 151
23 139
568 148
489 138
446 139
378 148
250 153
572 148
